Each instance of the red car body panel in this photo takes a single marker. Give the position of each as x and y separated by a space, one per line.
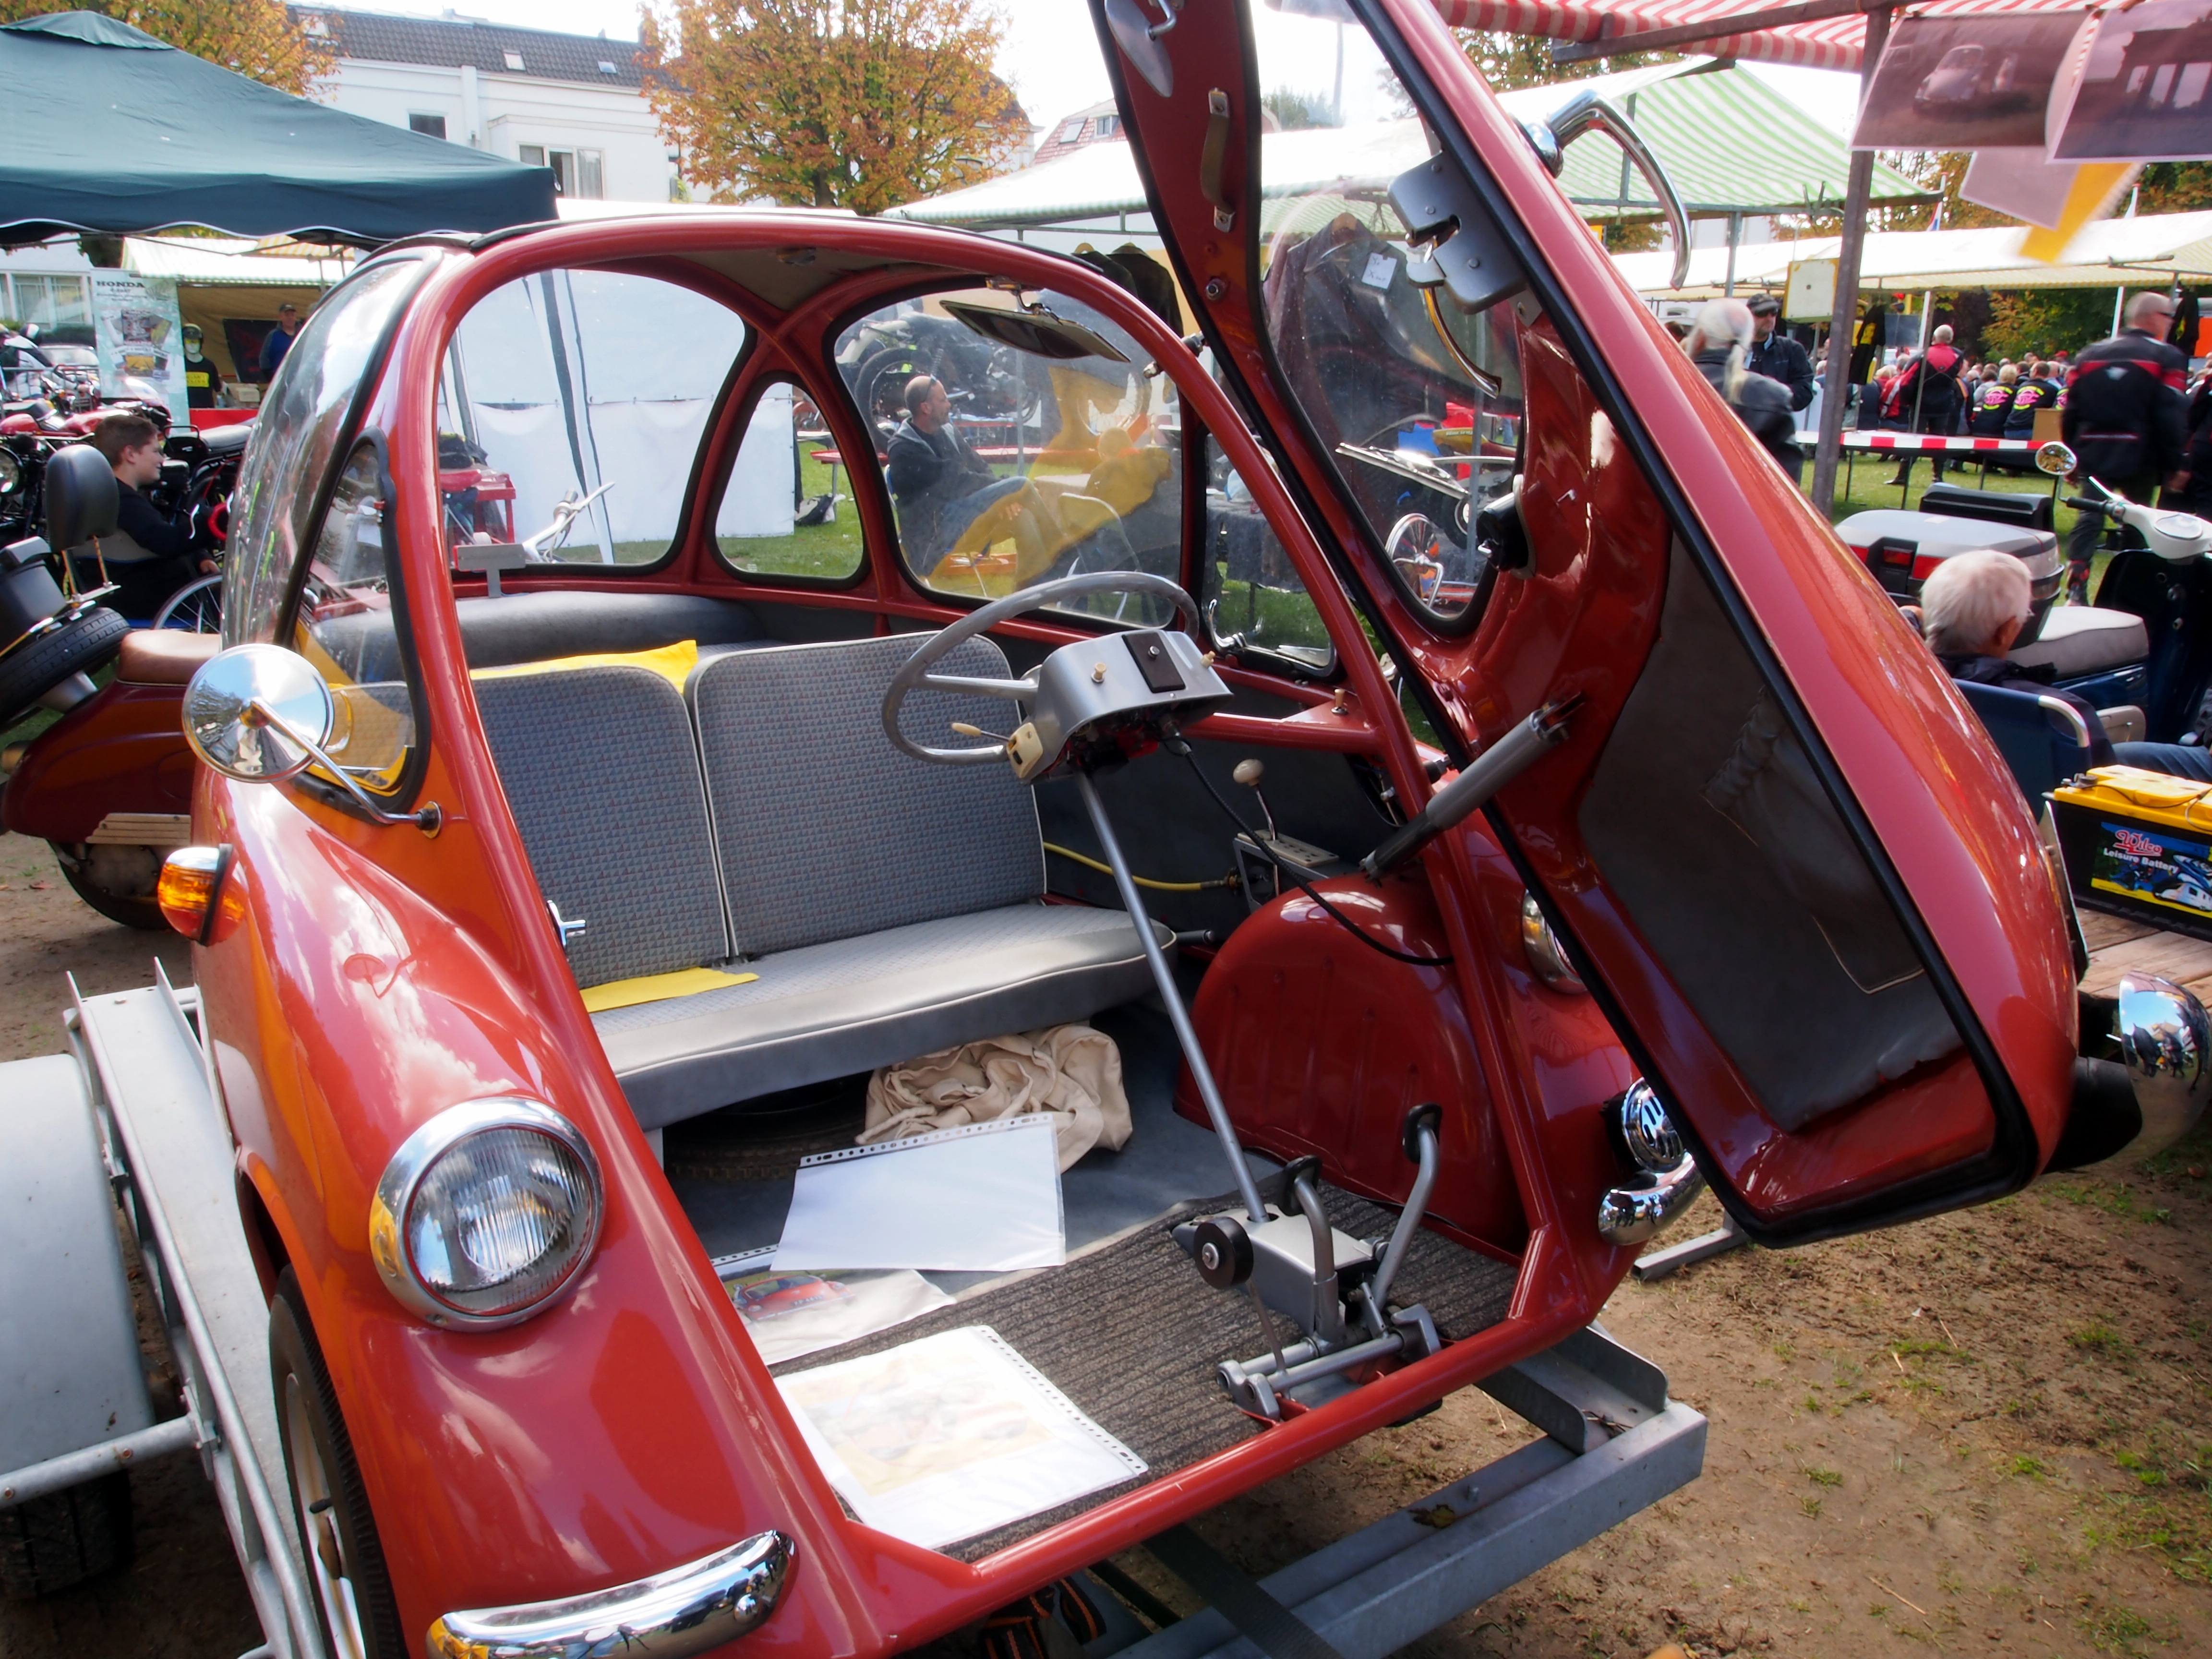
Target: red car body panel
379 975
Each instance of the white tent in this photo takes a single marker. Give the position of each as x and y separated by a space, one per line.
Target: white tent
2111 253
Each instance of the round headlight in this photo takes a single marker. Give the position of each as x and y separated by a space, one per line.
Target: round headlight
11 471
487 1213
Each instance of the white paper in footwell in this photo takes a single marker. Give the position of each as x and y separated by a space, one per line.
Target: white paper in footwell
951 1436
789 1314
984 1198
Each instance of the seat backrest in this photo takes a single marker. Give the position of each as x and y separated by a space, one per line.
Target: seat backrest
602 774
2044 740
825 830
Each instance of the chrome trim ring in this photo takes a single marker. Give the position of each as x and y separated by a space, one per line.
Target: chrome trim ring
685 1610
395 1194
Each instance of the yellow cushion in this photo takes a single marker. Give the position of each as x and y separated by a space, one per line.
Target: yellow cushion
659 988
674 663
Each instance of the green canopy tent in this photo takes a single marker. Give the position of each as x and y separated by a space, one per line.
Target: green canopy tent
116 131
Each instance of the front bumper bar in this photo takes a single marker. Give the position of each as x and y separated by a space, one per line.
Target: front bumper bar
685 1610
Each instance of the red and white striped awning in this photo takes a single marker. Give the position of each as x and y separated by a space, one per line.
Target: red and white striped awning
1833 43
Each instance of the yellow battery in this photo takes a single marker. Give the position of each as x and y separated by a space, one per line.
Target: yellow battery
2139 844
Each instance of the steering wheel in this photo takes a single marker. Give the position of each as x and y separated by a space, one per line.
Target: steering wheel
916 673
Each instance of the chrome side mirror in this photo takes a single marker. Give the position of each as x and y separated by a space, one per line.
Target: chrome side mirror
260 714
2055 459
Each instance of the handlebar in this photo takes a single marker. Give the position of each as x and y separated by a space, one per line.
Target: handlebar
2084 504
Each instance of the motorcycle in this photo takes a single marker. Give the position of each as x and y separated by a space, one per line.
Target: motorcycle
2142 655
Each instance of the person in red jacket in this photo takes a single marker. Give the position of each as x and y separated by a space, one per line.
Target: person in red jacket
1925 398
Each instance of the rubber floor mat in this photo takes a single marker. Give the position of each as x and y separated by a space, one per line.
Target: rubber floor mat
1131 1334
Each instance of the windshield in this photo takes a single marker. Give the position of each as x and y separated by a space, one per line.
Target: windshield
297 437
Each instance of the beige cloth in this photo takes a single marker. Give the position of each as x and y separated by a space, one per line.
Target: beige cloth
1070 1071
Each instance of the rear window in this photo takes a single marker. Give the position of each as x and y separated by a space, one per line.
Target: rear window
580 386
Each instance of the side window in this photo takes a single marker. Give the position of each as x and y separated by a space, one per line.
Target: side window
1247 589
345 628
587 389
1022 442
785 511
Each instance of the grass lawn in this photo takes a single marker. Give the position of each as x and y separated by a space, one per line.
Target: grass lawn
828 552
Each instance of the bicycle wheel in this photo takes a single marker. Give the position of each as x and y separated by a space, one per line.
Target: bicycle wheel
194 608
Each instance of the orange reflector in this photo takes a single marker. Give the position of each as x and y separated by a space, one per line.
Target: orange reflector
190 877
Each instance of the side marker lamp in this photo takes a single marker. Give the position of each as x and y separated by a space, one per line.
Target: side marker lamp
193 893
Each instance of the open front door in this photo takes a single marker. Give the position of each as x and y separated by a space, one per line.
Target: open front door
1810 897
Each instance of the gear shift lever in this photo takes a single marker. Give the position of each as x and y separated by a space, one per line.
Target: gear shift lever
1248 771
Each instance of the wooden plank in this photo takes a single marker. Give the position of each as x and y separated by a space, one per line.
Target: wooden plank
2171 956
2099 930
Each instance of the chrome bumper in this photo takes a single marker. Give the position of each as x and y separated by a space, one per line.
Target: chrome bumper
685 1610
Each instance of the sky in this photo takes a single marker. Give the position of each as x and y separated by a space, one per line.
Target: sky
1051 55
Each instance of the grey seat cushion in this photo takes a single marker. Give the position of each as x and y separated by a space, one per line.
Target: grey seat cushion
830 1010
825 830
602 773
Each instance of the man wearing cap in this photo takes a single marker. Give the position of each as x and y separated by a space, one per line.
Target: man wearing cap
2123 421
1778 357
279 339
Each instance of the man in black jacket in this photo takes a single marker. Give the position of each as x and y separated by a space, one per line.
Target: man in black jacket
2123 421
1775 354
949 500
150 554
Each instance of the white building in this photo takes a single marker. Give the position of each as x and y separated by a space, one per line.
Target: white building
573 102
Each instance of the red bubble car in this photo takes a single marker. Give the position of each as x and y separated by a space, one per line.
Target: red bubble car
1350 658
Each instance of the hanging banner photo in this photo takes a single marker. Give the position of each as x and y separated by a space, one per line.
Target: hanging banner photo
138 337
2143 92
1977 83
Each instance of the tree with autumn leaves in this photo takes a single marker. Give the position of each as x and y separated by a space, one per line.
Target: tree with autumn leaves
257 38
861 103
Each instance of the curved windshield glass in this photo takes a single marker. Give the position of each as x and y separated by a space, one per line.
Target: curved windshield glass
295 440
1019 452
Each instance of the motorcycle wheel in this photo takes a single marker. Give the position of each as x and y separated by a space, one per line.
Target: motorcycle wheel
118 886
194 608
38 666
880 383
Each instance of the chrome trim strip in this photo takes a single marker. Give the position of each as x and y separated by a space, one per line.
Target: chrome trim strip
395 1194
684 1610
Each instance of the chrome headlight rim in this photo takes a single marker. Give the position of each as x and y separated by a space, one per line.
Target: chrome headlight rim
11 470
411 1164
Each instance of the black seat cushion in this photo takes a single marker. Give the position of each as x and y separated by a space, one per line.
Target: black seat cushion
602 777
825 831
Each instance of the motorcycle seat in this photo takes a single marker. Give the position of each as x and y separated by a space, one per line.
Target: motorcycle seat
163 656
2082 639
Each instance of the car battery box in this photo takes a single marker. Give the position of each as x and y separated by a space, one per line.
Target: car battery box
2139 844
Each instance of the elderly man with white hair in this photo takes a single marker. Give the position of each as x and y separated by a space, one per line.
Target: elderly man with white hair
1972 609
1717 343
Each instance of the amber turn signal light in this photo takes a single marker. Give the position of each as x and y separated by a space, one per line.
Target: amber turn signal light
192 880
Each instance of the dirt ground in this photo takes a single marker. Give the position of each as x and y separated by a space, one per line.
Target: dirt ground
1988 1431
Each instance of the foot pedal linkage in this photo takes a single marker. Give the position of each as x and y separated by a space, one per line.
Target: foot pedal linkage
1333 1289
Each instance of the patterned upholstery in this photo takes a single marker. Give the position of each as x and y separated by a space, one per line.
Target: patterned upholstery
825 831
602 774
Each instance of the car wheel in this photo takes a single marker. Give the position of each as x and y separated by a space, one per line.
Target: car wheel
116 881
345 1563
38 666
65 1538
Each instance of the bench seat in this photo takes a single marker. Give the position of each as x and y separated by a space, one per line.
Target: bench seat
827 1011
760 822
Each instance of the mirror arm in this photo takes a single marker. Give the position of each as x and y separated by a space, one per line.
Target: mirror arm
426 818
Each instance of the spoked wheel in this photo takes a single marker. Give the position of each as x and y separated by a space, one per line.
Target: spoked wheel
194 608
345 1563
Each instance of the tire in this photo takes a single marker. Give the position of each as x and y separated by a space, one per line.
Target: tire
65 1537
40 665
359 1615
130 909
